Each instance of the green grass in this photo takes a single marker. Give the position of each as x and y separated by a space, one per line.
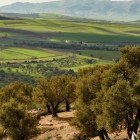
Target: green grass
50 58
99 62
12 53
61 30
105 55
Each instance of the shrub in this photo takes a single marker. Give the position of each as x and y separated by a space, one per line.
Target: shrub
16 121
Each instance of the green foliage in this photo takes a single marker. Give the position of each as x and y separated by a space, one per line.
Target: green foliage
86 92
7 77
85 120
16 121
18 91
15 101
2 134
117 103
51 92
108 97
131 55
92 70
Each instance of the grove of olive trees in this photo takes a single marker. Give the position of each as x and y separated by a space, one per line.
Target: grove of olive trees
106 99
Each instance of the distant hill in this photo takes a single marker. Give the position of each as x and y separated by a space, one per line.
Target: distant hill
5 18
39 15
95 9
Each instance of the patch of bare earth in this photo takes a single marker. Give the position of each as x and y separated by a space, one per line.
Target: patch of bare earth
60 128
57 128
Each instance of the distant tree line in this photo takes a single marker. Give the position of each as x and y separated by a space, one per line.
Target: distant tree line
71 46
5 18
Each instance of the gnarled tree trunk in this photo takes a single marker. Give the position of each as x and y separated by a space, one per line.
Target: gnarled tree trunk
67 106
48 109
103 135
54 109
133 127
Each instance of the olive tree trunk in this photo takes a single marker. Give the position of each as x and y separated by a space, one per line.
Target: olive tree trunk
67 106
103 135
54 109
133 127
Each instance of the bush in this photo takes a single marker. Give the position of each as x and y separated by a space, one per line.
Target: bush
19 124
2 135
85 121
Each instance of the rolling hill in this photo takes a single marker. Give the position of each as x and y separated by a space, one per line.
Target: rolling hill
97 9
5 18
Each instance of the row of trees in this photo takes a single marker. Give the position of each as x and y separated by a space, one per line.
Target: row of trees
106 98
72 45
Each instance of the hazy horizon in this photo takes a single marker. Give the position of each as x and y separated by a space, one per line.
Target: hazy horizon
7 2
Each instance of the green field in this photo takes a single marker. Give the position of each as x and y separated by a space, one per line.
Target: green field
50 58
102 54
35 47
72 30
12 53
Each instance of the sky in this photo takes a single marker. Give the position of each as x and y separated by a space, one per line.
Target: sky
6 2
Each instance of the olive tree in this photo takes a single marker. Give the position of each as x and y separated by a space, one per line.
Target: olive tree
15 100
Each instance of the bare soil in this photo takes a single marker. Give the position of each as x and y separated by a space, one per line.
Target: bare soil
60 128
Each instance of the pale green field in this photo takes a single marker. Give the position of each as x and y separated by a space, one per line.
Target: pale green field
24 54
55 58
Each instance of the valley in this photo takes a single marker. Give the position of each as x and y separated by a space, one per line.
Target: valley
37 47
68 78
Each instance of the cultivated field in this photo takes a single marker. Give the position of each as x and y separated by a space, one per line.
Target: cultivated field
12 53
24 45
102 54
72 30
32 31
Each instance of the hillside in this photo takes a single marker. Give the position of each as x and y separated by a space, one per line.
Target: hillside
95 9
61 128
5 18
56 30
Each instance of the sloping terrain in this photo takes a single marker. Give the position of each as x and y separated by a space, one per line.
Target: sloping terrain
5 18
62 30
